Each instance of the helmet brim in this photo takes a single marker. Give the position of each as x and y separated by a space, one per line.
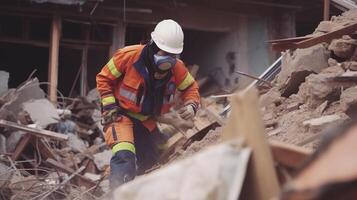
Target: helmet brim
166 48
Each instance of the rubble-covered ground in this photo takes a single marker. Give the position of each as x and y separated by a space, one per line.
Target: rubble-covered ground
315 89
37 167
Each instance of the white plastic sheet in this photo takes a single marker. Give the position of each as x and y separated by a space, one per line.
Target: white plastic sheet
215 173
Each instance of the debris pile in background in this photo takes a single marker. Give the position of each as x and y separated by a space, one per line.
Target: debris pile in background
47 150
315 89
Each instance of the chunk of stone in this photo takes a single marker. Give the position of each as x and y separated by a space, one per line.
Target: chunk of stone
343 47
321 123
30 90
41 111
312 59
102 159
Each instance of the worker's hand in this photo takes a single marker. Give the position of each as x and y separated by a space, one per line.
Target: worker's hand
110 116
187 112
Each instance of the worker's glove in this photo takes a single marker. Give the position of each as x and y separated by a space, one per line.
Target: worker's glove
111 115
187 112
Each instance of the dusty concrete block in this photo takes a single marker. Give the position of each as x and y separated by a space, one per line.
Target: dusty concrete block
325 27
41 111
344 47
76 144
273 96
348 101
321 123
332 62
28 91
4 79
102 160
312 59
320 87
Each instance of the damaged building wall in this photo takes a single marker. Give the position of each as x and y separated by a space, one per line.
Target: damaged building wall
221 41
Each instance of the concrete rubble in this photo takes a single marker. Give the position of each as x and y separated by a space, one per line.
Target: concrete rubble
315 88
28 160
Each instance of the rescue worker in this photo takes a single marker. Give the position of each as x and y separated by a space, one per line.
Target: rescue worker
137 85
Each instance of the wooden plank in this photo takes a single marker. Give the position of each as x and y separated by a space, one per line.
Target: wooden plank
24 141
53 57
289 155
326 10
290 40
33 131
245 121
328 36
63 168
46 151
24 41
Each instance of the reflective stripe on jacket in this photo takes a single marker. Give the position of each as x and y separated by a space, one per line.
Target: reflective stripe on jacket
121 81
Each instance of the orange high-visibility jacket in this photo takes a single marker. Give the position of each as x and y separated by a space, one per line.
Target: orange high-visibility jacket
120 82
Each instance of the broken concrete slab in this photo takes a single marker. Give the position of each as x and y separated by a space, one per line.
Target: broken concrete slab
348 101
344 47
41 111
320 87
102 159
321 123
312 59
76 144
30 90
93 96
332 62
4 79
273 96
325 27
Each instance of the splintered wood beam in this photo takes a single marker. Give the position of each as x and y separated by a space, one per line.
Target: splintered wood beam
308 41
245 121
328 37
63 168
53 57
34 131
24 141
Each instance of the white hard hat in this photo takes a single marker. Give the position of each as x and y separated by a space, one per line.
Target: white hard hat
168 36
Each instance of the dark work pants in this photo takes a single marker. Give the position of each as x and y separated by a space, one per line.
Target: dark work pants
125 165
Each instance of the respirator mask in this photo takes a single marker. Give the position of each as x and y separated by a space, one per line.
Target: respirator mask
164 63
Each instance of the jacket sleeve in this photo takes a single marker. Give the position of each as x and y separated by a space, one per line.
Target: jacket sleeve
187 85
106 79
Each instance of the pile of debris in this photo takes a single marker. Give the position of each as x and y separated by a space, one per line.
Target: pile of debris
50 150
316 88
